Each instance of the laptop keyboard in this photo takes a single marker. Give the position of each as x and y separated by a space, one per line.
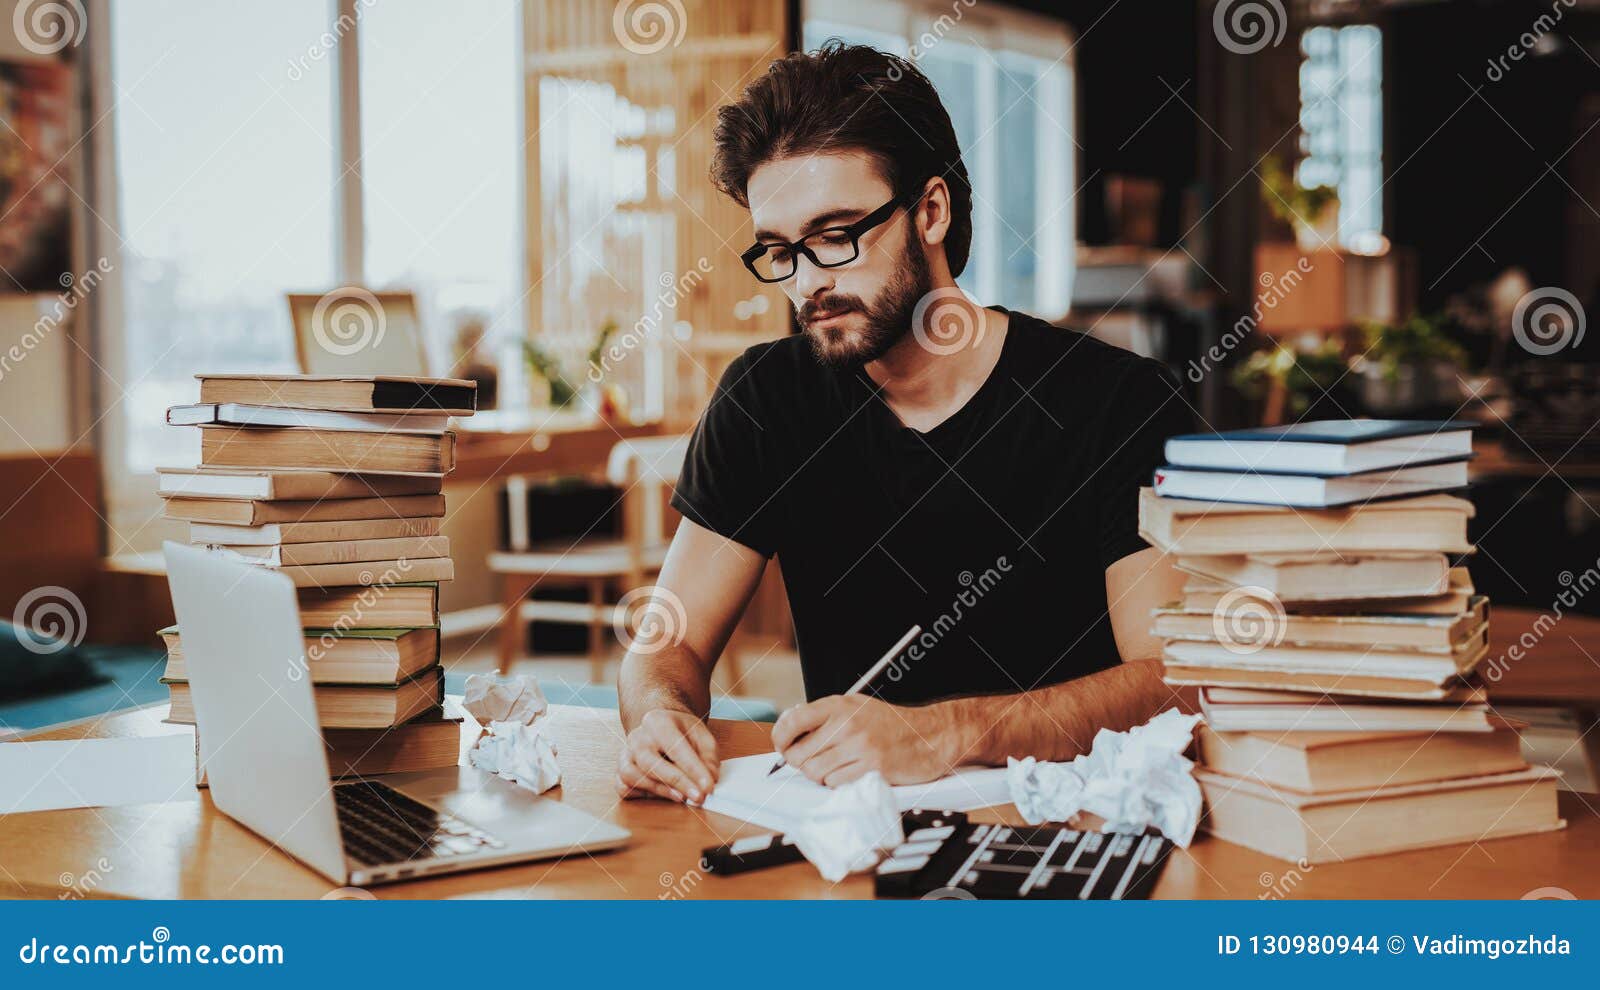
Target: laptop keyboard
380 825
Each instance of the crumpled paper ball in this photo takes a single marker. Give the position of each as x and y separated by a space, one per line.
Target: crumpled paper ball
496 698
1132 780
522 754
852 829
515 747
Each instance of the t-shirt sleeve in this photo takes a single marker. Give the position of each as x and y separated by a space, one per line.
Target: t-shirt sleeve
727 484
1148 406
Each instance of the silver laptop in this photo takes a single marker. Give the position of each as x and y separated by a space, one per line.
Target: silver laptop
264 756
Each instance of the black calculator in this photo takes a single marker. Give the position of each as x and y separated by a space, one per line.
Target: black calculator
962 861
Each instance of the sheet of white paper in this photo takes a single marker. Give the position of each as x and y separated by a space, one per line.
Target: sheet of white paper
95 773
745 791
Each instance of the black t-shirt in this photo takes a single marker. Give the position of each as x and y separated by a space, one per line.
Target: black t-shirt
992 531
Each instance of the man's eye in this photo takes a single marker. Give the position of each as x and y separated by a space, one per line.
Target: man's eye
831 238
779 255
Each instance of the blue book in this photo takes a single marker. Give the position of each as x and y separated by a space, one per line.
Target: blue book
1326 448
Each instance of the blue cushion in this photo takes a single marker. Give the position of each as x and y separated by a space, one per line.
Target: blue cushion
34 663
120 677
605 696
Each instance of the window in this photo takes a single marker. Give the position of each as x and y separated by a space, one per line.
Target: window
1006 79
228 193
441 153
225 197
1341 124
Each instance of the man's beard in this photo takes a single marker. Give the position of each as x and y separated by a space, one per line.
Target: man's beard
888 317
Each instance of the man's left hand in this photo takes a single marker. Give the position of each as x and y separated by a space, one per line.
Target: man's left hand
837 739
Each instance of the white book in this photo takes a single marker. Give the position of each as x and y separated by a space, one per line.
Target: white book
1326 447
1308 491
239 414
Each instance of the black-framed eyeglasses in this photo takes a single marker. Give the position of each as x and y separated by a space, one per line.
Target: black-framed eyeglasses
829 247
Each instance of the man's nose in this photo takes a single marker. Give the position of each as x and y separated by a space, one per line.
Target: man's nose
809 280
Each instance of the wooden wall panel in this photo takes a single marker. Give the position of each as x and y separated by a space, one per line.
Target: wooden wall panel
664 260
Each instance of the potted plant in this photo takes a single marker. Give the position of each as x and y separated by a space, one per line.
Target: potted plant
1312 212
1410 366
547 377
1291 382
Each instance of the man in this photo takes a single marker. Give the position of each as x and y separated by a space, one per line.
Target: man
911 458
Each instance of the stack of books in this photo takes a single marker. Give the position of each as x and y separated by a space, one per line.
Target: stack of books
336 482
1333 642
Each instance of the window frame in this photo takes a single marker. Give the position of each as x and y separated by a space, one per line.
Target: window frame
1003 34
130 493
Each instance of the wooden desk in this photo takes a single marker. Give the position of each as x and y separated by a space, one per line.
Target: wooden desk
187 849
518 442
1497 460
1561 670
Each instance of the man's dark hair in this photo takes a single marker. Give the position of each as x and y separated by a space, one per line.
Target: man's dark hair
847 97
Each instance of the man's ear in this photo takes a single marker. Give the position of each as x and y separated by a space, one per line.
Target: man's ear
932 212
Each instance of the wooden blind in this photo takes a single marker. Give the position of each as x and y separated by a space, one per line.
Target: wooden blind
622 222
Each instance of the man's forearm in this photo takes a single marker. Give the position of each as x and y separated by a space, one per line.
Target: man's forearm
675 679
1053 723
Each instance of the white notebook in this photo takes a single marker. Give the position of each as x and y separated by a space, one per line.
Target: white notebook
746 792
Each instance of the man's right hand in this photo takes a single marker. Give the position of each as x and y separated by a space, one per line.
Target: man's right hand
670 754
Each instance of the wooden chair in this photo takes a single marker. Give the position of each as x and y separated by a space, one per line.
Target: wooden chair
645 469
